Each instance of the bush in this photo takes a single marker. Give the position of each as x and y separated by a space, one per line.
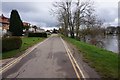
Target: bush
11 43
37 35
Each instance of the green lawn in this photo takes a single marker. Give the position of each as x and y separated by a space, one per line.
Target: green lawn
104 62
26 43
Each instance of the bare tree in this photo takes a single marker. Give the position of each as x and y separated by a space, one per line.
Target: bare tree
71 16
77 19
63 12
83 10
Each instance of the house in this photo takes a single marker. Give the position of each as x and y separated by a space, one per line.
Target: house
4 22
26 24
118 29
41 30
111 30
48 32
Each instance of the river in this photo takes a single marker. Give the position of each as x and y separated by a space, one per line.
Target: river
111 43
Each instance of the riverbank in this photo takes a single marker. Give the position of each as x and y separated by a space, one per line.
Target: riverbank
103 61
26 43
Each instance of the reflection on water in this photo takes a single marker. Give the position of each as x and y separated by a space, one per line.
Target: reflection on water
111 43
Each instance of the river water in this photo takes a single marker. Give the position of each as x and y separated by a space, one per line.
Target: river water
111 43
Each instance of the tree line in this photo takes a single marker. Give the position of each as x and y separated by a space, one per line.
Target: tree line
77 19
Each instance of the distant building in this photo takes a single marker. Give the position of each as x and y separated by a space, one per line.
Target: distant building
38 29
118 29
111 30
26 24
4 22
41 30
48 32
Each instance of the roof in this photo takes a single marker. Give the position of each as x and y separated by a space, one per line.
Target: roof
4 19
26 24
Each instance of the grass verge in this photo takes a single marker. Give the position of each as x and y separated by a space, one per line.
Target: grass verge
103 61
26 43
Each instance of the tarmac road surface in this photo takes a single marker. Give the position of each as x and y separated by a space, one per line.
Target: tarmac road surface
48 60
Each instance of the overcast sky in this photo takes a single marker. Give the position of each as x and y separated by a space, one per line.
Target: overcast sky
37 12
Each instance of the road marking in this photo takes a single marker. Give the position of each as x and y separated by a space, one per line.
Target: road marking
20 57
75 65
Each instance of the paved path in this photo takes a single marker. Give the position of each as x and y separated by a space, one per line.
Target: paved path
48 60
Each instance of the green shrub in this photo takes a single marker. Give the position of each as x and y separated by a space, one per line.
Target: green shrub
11 43
37 35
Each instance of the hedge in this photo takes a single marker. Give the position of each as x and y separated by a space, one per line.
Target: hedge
11 43
37 34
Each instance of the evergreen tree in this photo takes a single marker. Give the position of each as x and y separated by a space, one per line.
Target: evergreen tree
16 25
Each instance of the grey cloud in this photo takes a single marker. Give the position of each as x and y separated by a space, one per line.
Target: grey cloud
31 11
108 14
108 11
38 12
21 6
119 13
